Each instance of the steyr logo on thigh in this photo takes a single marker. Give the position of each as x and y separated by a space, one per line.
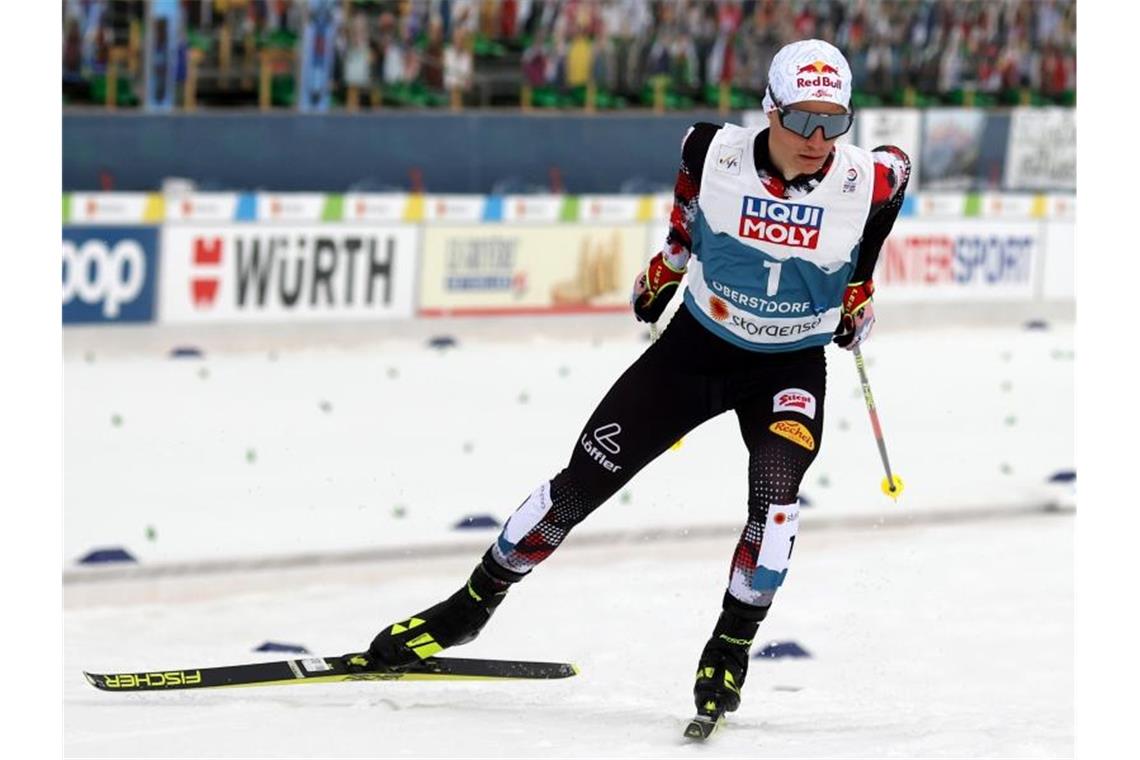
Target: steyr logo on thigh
605 436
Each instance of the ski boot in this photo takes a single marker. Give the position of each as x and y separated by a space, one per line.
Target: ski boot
454 621
723 665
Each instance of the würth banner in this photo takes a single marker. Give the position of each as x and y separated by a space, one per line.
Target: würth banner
327 272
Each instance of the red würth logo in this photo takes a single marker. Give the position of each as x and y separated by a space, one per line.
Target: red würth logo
207 263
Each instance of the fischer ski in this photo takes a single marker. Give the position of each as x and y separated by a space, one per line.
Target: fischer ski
706 722
348 667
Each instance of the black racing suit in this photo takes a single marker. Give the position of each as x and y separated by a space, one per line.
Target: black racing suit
689 376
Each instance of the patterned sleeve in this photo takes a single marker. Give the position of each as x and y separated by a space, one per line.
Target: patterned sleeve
679 241
892 173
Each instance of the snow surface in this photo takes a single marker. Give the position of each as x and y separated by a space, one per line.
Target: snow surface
953 640
322 448
939 627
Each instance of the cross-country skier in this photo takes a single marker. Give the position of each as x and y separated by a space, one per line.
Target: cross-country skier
779 230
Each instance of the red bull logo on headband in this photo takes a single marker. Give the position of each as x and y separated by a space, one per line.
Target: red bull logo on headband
791 224
818 74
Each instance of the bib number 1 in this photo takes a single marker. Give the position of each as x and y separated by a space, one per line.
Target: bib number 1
773 268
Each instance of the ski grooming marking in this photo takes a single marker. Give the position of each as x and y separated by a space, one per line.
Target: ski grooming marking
331 670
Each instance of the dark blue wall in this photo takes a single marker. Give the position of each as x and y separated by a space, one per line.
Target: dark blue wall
463 153
479 152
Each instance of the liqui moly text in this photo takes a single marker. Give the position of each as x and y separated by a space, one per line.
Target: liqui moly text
791 224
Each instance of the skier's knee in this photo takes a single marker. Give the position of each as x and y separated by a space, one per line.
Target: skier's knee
763 554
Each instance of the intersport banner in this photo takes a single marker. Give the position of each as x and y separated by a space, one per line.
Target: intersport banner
312 273
955 260
550 269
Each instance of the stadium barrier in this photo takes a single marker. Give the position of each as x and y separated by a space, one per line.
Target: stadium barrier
303 257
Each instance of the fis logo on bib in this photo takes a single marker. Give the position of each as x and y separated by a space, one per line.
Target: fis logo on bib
792 224
729 159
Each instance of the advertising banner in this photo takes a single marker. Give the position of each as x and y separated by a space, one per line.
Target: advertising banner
1005 205
532 208
900 127
255 273
1061 206
1042 151
163 40
293 207
109 274
1059 278
115 208
660 208
928 260
500 269
318 51
951 147
90 17
376 207
940 204
609 209
454 208
202 207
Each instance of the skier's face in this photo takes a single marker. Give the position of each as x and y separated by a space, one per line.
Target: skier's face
793 153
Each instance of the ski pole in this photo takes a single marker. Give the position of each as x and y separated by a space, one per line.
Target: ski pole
892 484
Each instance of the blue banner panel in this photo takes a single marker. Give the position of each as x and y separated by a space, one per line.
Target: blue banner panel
318 45
110 274
163 41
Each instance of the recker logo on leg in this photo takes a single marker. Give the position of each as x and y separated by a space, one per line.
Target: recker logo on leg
794 432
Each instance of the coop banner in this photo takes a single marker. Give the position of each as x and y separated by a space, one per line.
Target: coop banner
109 274
317 273
503 269
959 261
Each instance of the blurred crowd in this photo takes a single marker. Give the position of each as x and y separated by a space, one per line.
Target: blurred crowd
503 52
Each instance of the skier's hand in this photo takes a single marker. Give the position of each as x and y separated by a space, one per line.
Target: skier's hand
858 315
654 287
